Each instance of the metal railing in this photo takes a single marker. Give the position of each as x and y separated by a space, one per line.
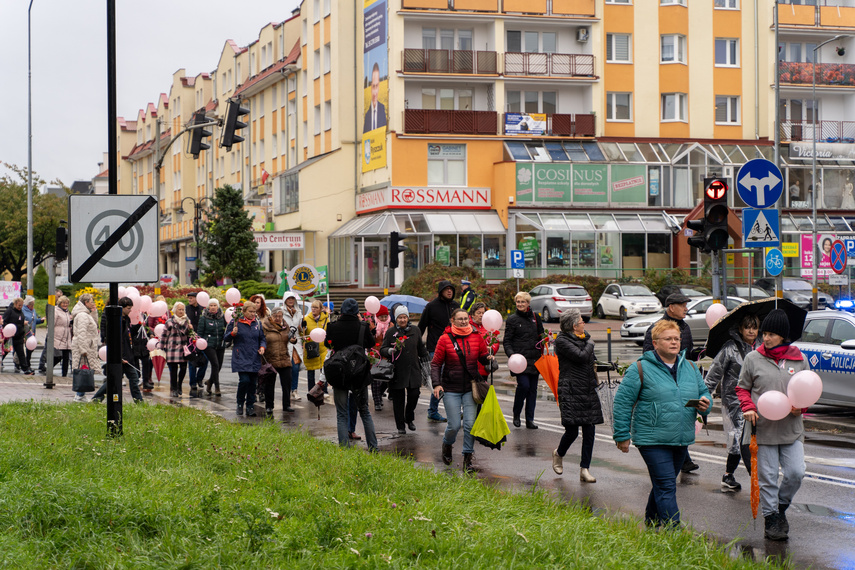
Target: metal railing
801 73
450 61
826 131
549 64
423 121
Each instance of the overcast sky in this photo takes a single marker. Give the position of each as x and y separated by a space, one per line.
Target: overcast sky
155 38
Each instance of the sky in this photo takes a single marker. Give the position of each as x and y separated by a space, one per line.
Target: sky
154 38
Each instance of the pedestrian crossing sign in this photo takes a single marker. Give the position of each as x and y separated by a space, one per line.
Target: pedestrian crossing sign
760 228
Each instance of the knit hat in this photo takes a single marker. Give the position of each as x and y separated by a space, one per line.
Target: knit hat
776 322
350 307
330 305
383 310
401 310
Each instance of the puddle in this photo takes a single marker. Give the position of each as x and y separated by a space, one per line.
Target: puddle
823 511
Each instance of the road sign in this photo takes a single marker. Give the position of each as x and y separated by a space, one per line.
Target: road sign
850 247
839 280
774 262
113 238
304 279
790 249
759 183
517 259
760 228
519 273
838 257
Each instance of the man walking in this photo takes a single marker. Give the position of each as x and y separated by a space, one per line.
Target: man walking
14 315
200 366
435 317
467 295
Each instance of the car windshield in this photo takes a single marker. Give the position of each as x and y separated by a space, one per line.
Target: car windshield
636 290
572 292
755 292
797 285
696 291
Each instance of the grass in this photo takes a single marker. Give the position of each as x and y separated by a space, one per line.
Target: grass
186 489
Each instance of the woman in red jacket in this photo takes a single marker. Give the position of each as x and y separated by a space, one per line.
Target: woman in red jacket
454 365
476 312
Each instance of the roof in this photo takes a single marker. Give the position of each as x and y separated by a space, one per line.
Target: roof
234 46
103 174
271 69
146 147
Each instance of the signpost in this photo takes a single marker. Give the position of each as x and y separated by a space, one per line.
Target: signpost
774 262
518 265
761 228
838 257
759 183
304 279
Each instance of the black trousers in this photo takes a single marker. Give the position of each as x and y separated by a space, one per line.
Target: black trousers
215 360
18 347
177 371
270 388
405 412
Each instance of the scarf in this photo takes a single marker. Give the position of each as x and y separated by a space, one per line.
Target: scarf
461 331
180 320
781 352
382 327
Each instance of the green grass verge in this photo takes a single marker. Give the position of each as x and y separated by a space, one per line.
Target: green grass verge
186 489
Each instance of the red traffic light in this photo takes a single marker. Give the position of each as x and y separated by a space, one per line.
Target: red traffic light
716 190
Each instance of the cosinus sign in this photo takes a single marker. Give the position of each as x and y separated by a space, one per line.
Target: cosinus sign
424 198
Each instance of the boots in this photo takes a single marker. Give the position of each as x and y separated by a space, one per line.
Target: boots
217 387
208 384
446 454
467 464
557 462
782 519
586 477
773 528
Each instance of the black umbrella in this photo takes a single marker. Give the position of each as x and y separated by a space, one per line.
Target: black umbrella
720 331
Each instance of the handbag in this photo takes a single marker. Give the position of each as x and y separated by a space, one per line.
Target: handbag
312 348
83 379
479 388
383 370
295 357
267 373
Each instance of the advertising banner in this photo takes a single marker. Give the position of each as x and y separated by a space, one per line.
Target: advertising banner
376 86
824 252
525 183
525 124
590 183
629 184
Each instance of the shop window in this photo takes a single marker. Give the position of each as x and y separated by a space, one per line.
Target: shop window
837 187
557 250
470 250
584 251
446 165
494 251
618 48
800 188
632 254
658 251
445 249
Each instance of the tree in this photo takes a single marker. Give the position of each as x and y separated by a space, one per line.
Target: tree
48 210
227 241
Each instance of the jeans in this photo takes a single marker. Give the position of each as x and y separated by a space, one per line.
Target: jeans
177 370
351 413
791 458
295 377
526 393
144 364
246 389
404 401
360 397
215 357
663 465
570 435
270 389
133 383
453 402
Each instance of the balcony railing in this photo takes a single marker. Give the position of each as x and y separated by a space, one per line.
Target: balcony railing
801 73
427 121
827 131
549 64
826 13
577 125
450 61
579 8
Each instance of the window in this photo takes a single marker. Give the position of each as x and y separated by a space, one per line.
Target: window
726 110
815 330
317 63
532 102
618 2
446 165
428 38
726 52
305 79
672 3
531 42
727 4
674 107
260 106
327 58
797 52
316 11
619 106
618 48
289 193
326 7
317 119
327 116
446 99
292 83
840 331
673 49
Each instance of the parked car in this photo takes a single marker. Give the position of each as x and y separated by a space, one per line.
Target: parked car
626 300
634 329
749 292
553 299
687 290
828 344
799 291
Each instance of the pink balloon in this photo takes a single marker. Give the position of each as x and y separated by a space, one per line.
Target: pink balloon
201 344
137 303
32 343
372 304
804 389
492 320
9 330
151 344
122 292
159 330
714 313
228 314
774 405
318 335
203 298
134 315
517 363
232 296
158 309
102 353
145 304
132 292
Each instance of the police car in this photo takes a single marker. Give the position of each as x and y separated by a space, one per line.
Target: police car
828 344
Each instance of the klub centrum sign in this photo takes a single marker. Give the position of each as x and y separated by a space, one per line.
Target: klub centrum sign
423 198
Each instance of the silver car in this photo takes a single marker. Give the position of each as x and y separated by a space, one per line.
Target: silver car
634 329
799 291
553 299
828 344
627 300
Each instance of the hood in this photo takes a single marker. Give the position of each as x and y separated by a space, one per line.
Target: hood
289 295
267 324
445 284
78 309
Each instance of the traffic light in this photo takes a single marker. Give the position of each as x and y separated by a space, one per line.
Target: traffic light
698 240
61 243
233 124
199 134
715 213
395 247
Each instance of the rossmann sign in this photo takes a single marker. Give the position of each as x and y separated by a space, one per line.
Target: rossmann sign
424 198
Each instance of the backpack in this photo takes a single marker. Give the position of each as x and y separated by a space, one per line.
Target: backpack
348 368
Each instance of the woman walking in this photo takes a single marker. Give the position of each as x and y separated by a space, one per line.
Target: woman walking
62 334
523 330
577 392
248 344
317 319
294 320
212 327
476 313
454 365
278 337
380 324
405 386
33 320
175 339
85 340
650 409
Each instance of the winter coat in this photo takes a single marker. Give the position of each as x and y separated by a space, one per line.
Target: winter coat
436 315
348 330
245 345
295 323
522 333
467 298
310 324
61 329
278 339
447 371
13 316
32 318
139 338
175 338
194 312
212 328
577 381
408 370
725 370
686 341
655 412
494 348
85 338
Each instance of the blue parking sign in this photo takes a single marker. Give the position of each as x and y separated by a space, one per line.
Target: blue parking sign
517 259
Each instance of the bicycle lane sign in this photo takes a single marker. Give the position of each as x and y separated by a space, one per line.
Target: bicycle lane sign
774 261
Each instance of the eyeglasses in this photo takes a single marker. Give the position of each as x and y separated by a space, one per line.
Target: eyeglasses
669 339
462 320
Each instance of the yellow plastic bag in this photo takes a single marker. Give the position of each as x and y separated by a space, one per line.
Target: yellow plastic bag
490 427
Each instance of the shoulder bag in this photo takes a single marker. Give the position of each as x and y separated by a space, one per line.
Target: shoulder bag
83 379
479 388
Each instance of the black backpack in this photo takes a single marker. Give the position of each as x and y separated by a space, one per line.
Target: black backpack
348 368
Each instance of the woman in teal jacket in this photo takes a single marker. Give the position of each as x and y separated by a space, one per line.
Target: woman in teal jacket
650 409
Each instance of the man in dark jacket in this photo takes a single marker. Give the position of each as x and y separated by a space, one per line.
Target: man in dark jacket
435 317
127 353
346 331
467 295
14 315
197 369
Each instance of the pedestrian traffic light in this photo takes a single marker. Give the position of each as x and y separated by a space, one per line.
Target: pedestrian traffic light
715 213
199 134
698 240
233 124
61 243
395 247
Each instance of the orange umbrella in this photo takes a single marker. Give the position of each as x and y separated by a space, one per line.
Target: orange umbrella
755 481
547 365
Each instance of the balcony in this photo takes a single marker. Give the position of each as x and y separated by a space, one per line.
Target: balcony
827 131
436 121
827 74
577 125
567 8
450 61
832 14
549 64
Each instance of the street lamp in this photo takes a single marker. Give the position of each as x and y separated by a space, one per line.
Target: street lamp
30 268
198 205
815 196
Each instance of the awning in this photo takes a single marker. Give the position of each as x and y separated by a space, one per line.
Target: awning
653 222
429 223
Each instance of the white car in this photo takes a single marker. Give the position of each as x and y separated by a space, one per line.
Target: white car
696 318
627 300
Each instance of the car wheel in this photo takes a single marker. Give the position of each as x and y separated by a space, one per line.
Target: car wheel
600 313
586 319
545 315
623 315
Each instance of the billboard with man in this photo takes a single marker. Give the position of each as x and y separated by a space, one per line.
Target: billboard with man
376 85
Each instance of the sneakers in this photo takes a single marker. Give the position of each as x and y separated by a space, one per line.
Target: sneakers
586 477
436 417
557 462
729 483
689 466
79 398
193 392
250 412
773 529
378 407
327 397
295 397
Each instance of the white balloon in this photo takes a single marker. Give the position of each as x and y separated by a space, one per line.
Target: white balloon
203 298
228 314
517 363
714 313
201 344
372 304
492 320
233 296
132 292
102 353
9 330
318 335
32 343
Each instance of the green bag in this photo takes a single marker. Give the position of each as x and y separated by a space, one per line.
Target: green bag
490 427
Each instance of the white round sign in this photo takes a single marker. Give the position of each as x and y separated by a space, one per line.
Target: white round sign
303 279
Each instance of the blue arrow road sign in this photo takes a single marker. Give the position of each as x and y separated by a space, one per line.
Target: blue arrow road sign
759 183
517 259
760 228
774 262
838 257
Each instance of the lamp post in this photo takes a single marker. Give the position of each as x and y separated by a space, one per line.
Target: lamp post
29 154
198 205
815 197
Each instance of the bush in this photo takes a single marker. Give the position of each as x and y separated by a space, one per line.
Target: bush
425 282
40 283
249 287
